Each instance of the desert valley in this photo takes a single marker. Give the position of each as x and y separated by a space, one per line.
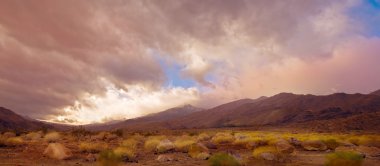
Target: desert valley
189 83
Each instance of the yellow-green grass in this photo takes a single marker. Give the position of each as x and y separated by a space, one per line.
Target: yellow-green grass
182 144
223 138
223 159
344 159
152 142
92 147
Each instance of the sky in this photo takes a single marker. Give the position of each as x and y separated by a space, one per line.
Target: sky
92 61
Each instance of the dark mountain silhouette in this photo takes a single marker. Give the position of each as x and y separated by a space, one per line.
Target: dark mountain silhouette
12 121
148 121
337 111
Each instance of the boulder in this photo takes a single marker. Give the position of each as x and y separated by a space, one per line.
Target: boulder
91 157
294 141
314 145
202 156
57 151
284 147
369 151
165 146
210 145
268 156
165 158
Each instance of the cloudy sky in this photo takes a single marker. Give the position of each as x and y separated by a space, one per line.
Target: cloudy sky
88 61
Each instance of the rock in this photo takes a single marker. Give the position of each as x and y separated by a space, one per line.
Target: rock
284 147
165 146
203 156
210 145
268 156
91 157
368 151
314 145
57 151
165 158
252 145
295 142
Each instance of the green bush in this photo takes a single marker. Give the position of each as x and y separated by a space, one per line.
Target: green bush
344 159
223 159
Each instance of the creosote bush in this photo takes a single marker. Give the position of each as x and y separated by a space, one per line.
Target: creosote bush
344 159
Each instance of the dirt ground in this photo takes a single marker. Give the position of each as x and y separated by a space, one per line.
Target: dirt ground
32 154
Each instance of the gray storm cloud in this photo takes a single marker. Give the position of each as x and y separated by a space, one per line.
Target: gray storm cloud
53 53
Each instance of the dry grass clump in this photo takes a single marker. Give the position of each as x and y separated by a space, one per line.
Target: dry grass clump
52 137
183 144
13 141
198 151
365 140
203 137
129 143
257 153
152 142
127 154
92 147
344 159
109 158
223 138
223 159
33 136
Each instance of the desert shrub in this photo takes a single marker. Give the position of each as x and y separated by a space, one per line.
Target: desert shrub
80 132
344 158
34 136
125 153
52 137
203 137
223 159
152 142
118 132
129 143
264 149
13 141
198 151
222 138
109 158
365 140
183 144
92 147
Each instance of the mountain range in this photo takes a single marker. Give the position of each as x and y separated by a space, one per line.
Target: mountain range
335 112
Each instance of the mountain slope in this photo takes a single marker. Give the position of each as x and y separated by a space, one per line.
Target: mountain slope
376 93
12 121
148 121
283 109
